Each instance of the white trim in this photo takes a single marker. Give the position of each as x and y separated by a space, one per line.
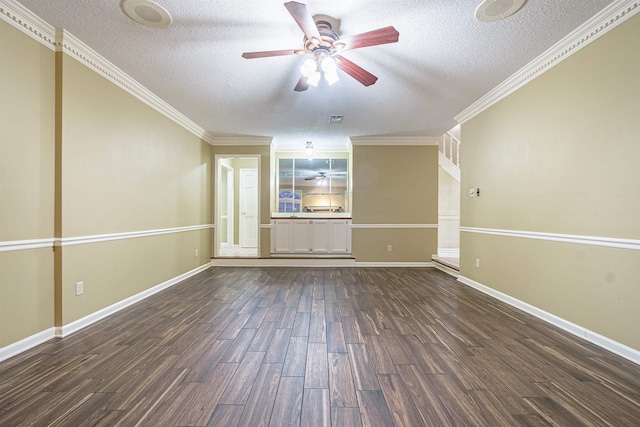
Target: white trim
75 48
394 264
394 225
449 252
26 344
267 226
61 40
283 262
448 217
577 330
19 245
68 329
395 140
28 23
241 140
83 240
609 242
309 262
607 19
445 268
448 166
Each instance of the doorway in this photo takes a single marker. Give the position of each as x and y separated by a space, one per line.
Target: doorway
237 215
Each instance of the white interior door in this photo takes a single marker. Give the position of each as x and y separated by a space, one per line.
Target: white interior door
229 194
248 208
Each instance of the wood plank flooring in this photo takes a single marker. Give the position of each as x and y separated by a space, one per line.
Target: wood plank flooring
319 347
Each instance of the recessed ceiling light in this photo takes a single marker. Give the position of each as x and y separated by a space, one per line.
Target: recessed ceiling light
146 12
494 10
336 119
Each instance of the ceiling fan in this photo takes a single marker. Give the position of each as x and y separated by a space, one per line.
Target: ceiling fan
320 177
324 45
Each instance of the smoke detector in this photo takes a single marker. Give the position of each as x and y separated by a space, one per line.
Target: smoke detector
147 13
494 10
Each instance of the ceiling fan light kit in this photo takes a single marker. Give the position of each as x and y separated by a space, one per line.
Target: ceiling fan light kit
324 44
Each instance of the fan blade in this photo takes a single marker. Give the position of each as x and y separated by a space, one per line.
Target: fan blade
355 71
252 55
302 85
371 38
304 20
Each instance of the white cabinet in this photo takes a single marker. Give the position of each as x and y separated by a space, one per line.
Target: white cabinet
300 237
311 236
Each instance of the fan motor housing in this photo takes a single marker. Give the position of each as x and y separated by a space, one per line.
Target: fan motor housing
328 42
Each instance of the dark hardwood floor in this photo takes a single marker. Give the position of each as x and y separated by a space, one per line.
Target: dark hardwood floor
313 347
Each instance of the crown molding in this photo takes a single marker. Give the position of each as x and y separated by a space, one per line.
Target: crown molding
61 40
601 23
241 140
27 22
395 140
75 48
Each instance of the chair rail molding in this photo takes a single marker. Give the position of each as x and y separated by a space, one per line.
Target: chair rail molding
611 242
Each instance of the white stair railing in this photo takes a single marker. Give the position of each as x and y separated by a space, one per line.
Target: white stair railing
450 146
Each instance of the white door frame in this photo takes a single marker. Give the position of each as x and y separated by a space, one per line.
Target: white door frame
216 230
228 170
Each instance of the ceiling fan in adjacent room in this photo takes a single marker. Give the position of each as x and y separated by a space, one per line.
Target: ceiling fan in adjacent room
324 45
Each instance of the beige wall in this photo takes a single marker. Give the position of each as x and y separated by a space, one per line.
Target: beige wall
395 185
27 115
448 211
81 157
560 155
125 167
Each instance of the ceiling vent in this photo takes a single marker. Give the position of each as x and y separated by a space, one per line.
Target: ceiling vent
147 13
335 119
494 10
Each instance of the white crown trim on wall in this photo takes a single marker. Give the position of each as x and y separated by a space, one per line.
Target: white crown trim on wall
609 18
241 140
29 23
74 47
610 242
395 140
62 41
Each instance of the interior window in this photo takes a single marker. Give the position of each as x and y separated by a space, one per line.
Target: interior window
313 185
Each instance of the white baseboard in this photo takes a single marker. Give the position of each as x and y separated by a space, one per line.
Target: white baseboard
27 343
282 262
606 343
309 262
68 329
394 264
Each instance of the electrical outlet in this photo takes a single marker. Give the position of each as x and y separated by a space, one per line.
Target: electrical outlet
79 288
196 252
389 248
477 262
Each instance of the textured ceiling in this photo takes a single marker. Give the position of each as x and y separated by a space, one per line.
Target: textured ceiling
444 61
